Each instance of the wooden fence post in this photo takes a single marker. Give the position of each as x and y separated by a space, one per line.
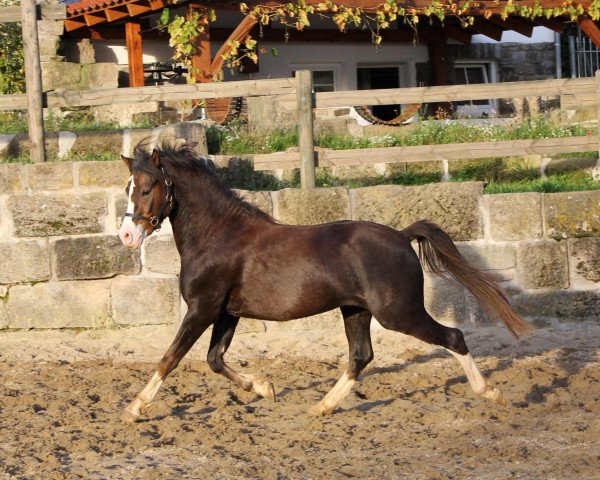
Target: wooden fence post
33 80
305 129
598 110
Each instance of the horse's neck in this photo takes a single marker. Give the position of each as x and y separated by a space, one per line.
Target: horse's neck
202 213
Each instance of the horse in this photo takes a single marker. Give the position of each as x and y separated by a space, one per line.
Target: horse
238 261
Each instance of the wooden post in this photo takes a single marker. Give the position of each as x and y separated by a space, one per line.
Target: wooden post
33 80
133 39
437 46
305 129
202 60
598 112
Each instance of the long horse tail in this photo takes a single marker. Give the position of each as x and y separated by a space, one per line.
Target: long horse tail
438 252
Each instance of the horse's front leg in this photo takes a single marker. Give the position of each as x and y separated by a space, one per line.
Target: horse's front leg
196 321
222 335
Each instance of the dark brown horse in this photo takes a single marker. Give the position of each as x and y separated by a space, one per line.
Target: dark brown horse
238 261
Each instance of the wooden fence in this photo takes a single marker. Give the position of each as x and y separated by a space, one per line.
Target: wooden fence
296 93
579 93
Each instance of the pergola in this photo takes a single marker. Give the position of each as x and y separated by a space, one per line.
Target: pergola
105 19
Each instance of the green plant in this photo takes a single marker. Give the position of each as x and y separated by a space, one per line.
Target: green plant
12 63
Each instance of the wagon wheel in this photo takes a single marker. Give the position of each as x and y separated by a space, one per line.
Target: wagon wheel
410 110
224 110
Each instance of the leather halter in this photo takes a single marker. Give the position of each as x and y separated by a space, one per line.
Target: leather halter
156 220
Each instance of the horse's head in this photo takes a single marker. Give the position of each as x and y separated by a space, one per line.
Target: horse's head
150 199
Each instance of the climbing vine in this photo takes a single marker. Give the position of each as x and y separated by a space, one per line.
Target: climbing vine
12 63
296 14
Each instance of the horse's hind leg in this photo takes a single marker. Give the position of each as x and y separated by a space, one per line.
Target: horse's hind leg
222 335
357 324
192 326
428 330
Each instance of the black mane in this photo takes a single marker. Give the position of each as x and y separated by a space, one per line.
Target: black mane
192 174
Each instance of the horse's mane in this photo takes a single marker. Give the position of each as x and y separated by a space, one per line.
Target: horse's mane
190 172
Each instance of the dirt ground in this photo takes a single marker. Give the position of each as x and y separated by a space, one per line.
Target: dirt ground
412 416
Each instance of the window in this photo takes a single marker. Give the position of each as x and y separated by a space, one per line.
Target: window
469 74
323 81
324 77
374 77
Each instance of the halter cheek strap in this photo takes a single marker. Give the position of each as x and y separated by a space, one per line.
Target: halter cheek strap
156 220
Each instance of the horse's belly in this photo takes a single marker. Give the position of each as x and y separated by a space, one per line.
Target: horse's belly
274 303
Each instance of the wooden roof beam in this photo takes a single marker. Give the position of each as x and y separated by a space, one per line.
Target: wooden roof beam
135 9
71 24
459 34
487 28
94 18
552 23
157 4
114 14
590 28
516 24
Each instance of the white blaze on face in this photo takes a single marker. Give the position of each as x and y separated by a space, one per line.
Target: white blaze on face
131 235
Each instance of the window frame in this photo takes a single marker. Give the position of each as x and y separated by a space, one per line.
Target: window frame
490 71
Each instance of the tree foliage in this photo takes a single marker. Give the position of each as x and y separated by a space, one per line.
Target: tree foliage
296 14
12 63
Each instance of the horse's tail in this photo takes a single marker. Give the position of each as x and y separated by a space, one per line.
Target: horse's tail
438 252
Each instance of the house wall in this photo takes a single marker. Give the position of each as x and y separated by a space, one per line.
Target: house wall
63 266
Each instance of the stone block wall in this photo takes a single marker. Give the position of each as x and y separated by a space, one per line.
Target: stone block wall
63 266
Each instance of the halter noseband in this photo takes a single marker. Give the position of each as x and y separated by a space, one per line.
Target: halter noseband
156 220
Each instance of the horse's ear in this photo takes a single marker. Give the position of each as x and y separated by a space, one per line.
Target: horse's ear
155 158
127 161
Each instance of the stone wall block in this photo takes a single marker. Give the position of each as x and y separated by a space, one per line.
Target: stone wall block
93 142
584 255
60 305
261 200
454 206
145 300
50 28
445 300
120 201
515 216
3 315
161 255
501 256
93 257
572 214
543 264
24 261
61 214
10 178
60 76
103 75
562 305
50 176
103 174
311 207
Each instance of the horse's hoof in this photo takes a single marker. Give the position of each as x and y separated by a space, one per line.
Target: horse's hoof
265 390
270 392
129 417
495 395
319 410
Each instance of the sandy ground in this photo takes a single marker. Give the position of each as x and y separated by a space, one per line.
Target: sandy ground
412 416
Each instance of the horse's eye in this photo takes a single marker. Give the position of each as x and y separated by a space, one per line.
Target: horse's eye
145 192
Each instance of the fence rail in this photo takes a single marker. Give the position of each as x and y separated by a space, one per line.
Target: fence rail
426 153
160 93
